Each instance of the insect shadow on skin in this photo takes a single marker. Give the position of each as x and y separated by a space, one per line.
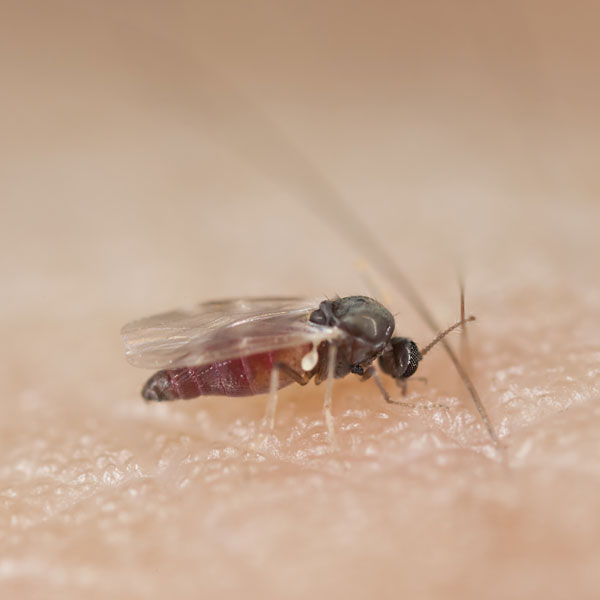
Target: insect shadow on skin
246 347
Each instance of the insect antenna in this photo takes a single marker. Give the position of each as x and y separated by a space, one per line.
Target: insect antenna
444 333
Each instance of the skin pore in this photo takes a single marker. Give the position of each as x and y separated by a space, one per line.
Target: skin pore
458 136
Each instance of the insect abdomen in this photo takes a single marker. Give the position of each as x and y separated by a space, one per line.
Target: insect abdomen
245 376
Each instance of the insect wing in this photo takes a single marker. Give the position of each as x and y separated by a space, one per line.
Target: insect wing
221 330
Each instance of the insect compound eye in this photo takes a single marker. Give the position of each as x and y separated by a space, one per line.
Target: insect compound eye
401 358
357 370
414 356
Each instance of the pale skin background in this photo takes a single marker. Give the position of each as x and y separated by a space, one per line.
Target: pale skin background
141 170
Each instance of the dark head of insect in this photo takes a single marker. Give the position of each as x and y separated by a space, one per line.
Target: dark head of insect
401 357
369 327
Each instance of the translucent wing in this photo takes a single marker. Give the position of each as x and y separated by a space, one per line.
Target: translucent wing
220 330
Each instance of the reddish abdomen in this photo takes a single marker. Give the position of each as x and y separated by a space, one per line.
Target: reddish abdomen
245 376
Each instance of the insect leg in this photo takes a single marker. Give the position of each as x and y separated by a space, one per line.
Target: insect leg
331 357
301 378
272 405
402 385
371 372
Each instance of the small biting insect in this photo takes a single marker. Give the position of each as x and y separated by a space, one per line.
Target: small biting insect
253 346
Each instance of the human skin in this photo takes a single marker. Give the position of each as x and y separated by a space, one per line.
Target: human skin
460 137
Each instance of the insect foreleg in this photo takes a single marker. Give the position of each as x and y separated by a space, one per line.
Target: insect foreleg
371 372
403 382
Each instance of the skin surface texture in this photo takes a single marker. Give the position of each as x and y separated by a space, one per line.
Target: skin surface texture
158 154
